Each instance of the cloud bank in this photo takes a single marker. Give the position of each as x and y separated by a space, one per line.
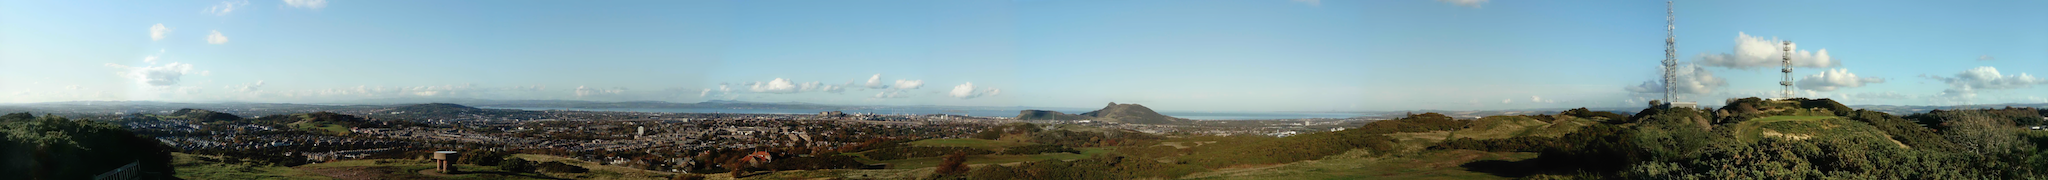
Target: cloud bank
165 75
1831 80
216 38
156 32
1756 52
968 91
1692 80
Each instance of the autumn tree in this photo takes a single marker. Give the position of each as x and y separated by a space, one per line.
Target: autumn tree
953 164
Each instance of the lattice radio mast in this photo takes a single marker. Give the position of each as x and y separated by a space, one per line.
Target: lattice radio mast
1670 53
1787 83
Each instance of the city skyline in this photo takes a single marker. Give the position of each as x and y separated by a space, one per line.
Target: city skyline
1277 55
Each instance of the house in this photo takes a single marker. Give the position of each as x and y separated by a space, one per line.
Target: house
757 158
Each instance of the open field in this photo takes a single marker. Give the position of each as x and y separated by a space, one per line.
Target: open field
1791 118
1358 164
1497 127
596 171
193 166
972 143
329 128
926 162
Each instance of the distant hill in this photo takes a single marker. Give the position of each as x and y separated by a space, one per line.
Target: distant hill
1120 113
322 122
205 115
1048 115
437 108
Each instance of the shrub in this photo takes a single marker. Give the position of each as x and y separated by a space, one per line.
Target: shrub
1424 122
914 151
559 167
953 164
687 177
1038 148
516 165
1590 114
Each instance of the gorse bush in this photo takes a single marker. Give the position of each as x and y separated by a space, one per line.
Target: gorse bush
60 148
916 151
1424 122
1037 149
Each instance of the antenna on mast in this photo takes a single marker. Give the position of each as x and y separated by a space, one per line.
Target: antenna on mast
1787 83
1670 53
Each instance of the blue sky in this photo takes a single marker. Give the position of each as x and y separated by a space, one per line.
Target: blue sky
1203 55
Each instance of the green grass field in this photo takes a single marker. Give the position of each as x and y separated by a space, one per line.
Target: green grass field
1497 127
596 171
925 162
1357 164
192 166
1791 118
1559 127
319 127
972 143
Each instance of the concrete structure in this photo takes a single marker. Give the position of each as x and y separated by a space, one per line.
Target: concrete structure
441 161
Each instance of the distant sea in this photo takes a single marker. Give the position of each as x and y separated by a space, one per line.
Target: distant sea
986 112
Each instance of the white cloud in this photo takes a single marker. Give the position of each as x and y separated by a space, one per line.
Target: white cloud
1535 98
778 85
156 32
1756 52
247 87
308 4
876 82
1505 101
832 89
225 7
967 91
1987 77
908 84
1692 79
1963 86
582 91
159 76
723 89
1881 95
1986 58
1465 3
890 95
1830 80
216 38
